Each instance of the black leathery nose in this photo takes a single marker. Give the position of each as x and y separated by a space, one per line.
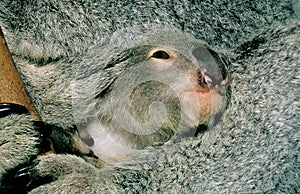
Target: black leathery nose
213 62
205 78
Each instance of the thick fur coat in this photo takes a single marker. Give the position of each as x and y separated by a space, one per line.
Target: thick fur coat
254 149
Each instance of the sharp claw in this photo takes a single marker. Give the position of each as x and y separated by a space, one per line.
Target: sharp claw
23 172
23 169
11 108
22 175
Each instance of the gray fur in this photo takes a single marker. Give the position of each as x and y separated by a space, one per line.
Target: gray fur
19 142
254 149
132 85
45 30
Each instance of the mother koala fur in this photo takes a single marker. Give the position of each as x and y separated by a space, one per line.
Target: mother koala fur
254 148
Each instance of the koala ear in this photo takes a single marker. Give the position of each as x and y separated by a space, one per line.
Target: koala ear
105 88
108 80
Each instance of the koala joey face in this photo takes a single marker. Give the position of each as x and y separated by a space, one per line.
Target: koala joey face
157 90
199 81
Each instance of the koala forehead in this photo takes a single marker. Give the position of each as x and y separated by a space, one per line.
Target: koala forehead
181 42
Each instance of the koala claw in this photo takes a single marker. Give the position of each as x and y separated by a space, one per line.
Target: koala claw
17 181
23 172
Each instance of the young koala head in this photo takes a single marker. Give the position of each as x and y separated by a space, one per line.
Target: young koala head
168 84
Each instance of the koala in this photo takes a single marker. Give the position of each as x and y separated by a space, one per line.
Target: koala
167 84
58 48
254 148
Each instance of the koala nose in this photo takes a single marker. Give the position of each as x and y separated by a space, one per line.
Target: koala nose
209 81
204 79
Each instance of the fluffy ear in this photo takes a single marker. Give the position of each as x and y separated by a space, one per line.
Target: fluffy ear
104 89
122 60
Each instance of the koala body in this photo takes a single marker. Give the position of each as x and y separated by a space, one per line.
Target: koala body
110 101
56 46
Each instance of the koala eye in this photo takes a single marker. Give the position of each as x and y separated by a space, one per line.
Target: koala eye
160 55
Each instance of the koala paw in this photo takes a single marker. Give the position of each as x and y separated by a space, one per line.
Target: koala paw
57 169
16 180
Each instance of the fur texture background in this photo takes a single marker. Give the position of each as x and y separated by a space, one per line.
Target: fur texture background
254 149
